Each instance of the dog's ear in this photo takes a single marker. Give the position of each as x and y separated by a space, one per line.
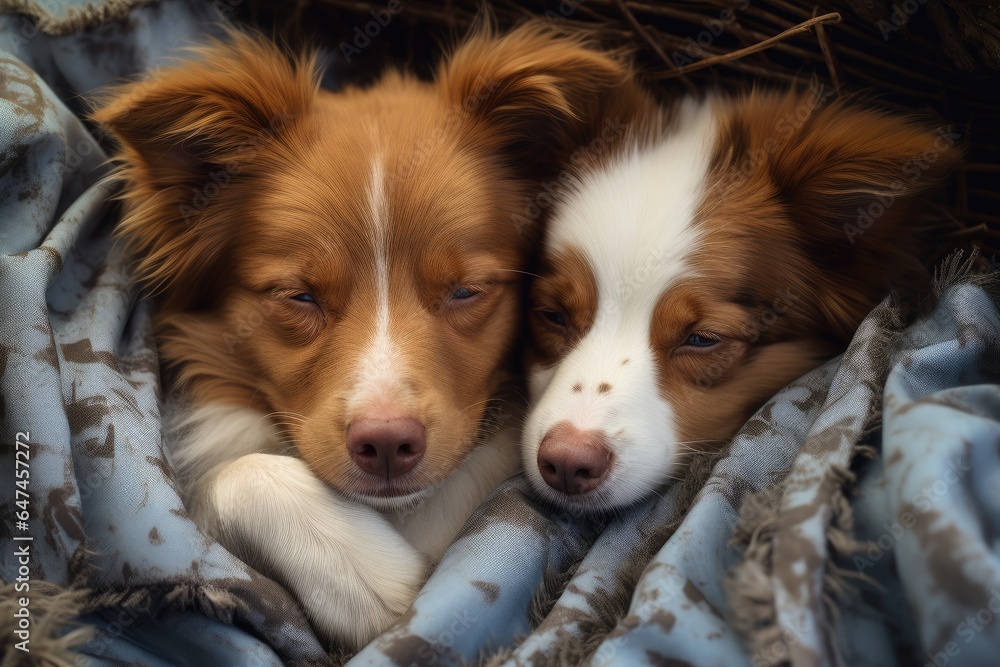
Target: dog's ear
231 98
186 134
853 181
532 88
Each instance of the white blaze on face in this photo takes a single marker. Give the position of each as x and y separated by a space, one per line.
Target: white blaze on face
378 389
632 222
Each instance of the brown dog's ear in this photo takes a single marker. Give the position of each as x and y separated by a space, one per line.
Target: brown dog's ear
531 87
229 98
226 101
187 133
852 181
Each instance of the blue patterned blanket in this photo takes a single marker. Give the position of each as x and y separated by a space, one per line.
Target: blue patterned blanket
853 520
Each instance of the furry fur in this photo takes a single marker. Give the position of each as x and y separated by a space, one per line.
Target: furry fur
719 250
325 259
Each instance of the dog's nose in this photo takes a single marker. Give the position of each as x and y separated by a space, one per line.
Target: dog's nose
386 447
574 461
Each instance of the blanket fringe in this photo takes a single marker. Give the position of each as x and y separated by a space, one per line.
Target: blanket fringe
212 601
954 270
548 593
215 601
496 659
54 630
749 586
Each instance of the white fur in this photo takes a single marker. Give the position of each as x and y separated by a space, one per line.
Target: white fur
352 571
353 568
379 370
631 220
193 437
432 525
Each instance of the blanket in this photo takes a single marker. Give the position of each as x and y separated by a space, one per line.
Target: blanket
853 520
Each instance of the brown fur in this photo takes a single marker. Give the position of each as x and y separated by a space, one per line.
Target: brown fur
785 271
246 185
571 289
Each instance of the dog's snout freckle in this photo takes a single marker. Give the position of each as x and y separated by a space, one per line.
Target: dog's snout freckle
577 388
604 387
624 361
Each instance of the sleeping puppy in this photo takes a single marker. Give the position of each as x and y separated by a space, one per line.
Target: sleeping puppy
338 280
714 253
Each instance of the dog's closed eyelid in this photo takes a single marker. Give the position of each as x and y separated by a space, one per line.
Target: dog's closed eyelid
470 291
556 316
702 340
462 297
303 294
696 341
299 302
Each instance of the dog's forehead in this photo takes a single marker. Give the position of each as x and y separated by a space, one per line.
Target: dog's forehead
362 175
351 221
634 218
443 191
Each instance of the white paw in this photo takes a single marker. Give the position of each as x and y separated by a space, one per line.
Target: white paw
353 573
349 608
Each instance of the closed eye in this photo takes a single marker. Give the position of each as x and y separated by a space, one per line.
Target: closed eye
466 295
554 316
701 340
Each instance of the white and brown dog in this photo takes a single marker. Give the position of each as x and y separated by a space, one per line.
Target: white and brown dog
712 254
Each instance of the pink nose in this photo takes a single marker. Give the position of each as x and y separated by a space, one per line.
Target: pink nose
386 447
574 461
